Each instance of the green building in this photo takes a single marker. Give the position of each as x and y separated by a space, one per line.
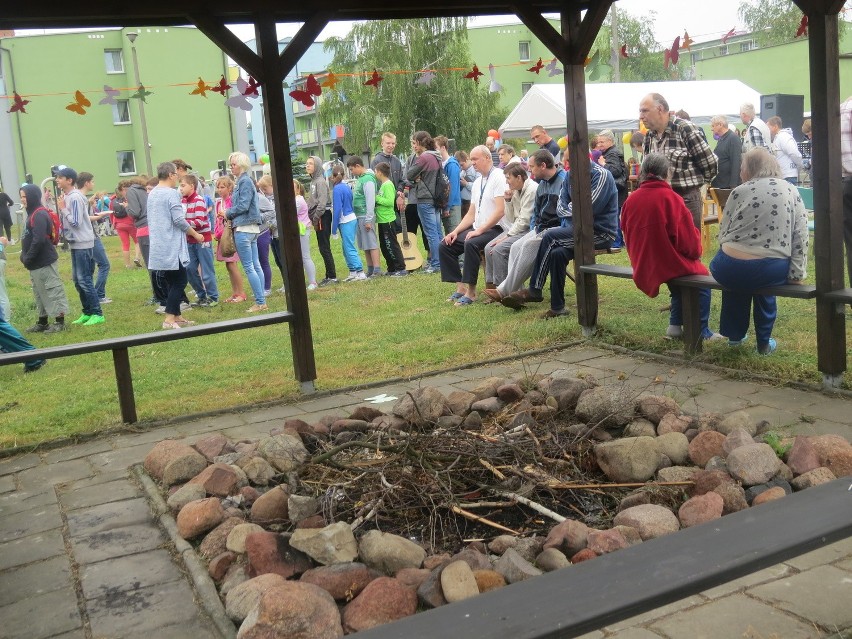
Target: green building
108 139
310 137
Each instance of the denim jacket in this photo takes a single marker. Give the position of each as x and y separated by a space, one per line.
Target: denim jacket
244 209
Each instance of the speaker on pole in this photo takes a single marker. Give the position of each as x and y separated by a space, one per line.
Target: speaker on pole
790 108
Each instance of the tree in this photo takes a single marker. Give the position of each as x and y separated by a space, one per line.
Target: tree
451 104
772 21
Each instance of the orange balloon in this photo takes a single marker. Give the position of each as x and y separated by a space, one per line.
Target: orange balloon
642 128
494 133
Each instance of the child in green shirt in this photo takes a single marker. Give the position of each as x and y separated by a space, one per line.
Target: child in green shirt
386 219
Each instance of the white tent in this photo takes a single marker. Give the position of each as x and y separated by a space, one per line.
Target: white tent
616 105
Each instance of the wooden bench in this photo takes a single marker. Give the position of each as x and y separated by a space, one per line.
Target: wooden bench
121 360
689 286
840 297
606 251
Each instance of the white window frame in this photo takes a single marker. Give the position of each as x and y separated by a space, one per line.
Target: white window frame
116 114
723 50
521 56
525 86
118 157
107 58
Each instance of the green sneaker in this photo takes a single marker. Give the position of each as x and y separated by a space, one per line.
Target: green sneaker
94 319
82 319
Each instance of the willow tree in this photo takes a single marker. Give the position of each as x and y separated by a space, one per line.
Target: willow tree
449 104
773 21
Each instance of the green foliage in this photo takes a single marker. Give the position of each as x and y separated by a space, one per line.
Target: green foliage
450 105
776 442
773 21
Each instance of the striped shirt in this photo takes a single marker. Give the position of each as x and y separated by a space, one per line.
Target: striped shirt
846 137
690 155
195 211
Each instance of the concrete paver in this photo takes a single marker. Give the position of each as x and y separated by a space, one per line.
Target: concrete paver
761 576
822 556
7 483
110 516
76 452
113 491
128 573
35 579
24 550
30 522
118 542
657 613
48 475
18 463
41 616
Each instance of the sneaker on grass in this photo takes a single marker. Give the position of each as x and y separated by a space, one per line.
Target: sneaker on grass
82 319
95 319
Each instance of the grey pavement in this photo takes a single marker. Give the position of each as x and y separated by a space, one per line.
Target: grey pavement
82 555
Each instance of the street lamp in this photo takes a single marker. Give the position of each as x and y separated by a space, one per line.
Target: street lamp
132 35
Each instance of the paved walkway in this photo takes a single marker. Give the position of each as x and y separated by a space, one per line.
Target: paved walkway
81 555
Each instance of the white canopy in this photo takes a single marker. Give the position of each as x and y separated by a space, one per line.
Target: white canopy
616 105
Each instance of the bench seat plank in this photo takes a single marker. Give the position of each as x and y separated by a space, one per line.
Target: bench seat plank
840 295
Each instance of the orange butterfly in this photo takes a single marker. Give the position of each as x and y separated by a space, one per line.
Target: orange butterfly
306 96
331 81
80 105
201 89
374 80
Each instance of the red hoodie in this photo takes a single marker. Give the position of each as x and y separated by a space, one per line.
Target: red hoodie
660 237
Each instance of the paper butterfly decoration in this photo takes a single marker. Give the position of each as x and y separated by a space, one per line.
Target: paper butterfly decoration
687 41
250 88
427 77
671 56
538 66
19 104
111 95
240 96
803 27
495 87
553 68
142 94
201 88
330 81
306 96
594 66
623 52
474 74
221 88
729 34
80 104
374 81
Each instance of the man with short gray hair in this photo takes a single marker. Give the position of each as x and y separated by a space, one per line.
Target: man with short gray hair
729 151
757 133
612 160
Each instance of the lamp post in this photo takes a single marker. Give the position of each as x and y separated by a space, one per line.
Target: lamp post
132 35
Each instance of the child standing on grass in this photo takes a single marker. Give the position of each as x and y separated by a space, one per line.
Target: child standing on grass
200 270
345 219
225 187
305 228
386 219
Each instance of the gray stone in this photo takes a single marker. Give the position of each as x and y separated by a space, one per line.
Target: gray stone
640 427
334 544
738 419
551 559
529 547
736 438
733 497
815 477
259 471
300 507
717 463
473 421
655 407
285 452
242 598
185 494
236 575
515 568
675 473
458 582
421 407
389 553
488 406
501 543
649 519
607 406
236 541
631 459
753 464
675 446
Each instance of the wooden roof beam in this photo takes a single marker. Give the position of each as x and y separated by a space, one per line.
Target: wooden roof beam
227 40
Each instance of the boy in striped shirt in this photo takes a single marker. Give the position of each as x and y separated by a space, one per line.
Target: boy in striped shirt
200 270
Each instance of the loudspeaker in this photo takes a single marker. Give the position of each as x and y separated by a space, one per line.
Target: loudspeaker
790 108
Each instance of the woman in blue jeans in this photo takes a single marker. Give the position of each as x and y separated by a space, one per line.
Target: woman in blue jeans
244 216
763 241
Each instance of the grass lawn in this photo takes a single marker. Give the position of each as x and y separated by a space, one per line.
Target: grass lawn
363 332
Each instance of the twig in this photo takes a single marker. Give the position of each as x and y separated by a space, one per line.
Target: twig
488 504
564 486
376 505
496 472
481 520
353 444
535 506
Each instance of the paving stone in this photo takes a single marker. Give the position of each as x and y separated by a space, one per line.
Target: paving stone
152 436
86 521
272 413
211 424
712 402
827 555
734 616
7 483
730 388
100 494
35 579
121 459
778 418
447 379
59 473
21 500
74 634
41 616
18 463
789 399
821 595
635 633
30 522
656 613
823 427
95 480
572 355
196 627
25 550
596 634
141 611
845 565
123 574
761 576
116 543
836 410
77 451
331 401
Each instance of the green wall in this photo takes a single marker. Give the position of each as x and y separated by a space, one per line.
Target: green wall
779 69
196 129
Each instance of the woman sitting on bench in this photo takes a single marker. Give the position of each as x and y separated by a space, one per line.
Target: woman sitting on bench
763 241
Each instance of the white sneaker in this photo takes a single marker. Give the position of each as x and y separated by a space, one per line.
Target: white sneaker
674 332
361 275
352 276
312 287
185 307
267 292
160 310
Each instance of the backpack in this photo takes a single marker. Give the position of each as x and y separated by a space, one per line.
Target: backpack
442 190
55 232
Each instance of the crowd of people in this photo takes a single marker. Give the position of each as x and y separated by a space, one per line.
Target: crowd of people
512 210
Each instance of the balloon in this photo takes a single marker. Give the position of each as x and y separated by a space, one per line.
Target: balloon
626 137
642 128
494 133
264 159
563 142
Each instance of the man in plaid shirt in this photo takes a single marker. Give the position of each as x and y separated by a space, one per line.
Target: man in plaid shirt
846 161
682 143
757 134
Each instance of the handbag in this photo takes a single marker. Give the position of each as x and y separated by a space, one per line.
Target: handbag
227 247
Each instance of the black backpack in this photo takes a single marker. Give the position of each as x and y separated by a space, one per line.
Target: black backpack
441 193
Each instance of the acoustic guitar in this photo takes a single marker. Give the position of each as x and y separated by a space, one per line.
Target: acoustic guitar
410 252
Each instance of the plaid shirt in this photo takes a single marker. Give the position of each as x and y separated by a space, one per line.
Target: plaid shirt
846 137
690 155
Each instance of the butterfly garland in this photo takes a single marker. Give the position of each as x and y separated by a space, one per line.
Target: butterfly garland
306 96
18 104
80 104
141 94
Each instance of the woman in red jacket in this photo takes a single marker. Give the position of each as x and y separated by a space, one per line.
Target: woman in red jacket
662 241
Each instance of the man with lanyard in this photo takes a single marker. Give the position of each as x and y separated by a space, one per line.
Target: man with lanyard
679 140
480 225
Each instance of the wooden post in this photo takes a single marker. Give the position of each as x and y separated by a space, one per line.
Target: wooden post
278 137
828 192
124 381
691 316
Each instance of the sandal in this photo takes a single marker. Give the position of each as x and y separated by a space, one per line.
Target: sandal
170 325
464 300
184 322
493 294
455 297
236 299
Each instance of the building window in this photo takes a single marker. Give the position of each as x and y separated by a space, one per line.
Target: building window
121 112
747 46
525 86
524 51
696 57
723 50
114 61
126 162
